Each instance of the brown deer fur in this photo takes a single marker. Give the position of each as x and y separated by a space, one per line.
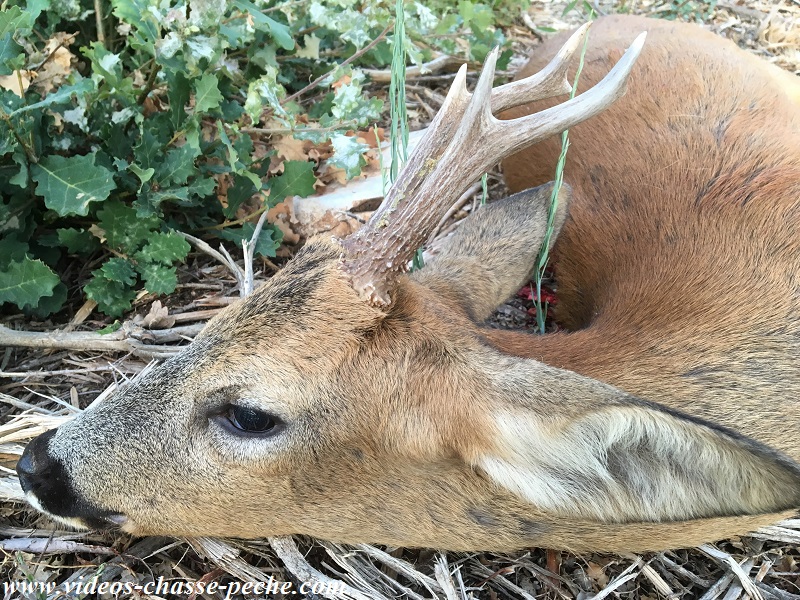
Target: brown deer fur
679 269
413 425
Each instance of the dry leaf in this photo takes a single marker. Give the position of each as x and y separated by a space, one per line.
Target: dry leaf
596 572
157 318
58 64
15 80
291 149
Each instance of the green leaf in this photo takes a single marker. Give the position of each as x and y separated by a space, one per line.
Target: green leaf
144 22
265 90
110 328
239 193
297 179
21 178
279 32
105 64
51 304
64 94
233 155
177 166
207 95
119 269
9 49
12 249
112 297
178 92
13 19
148 151
77 241
159 279
25 282
269 240
69 185
164 248
347 153
176 194
124 229
144 175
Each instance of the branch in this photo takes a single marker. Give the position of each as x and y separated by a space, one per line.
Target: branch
434 66
355 56
128 338
287 551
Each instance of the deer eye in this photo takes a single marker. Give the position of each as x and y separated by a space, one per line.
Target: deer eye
251 420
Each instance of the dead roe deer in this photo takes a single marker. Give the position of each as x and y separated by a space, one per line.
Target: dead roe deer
348 400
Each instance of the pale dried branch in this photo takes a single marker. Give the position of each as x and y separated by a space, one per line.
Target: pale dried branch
401 566
45 545
628 574
227 558
742 572
442 571
222 256
297 565
457 206
433 66
128 338
249 248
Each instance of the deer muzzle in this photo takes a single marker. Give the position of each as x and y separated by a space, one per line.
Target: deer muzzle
47 486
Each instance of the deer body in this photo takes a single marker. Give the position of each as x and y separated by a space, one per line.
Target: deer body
679 269
347 400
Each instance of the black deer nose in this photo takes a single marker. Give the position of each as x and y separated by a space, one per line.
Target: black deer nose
45 477
36 468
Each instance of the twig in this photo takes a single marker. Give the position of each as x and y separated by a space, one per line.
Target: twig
151 82
496 577
293 130
683 572
224 258
454 209
433 66
442 571
15 374
297 565
98 15
740 571
227 558
624 577
125 339
44 545
249 248
401 566
196 315
344 63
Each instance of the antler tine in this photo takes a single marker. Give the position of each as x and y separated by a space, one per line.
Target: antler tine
550 81
451 157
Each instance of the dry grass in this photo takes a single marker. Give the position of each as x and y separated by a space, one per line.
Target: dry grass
47 387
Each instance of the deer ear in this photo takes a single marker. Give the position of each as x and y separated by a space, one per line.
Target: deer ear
493 252
630 461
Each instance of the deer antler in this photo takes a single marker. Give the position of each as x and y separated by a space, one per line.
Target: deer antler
464 141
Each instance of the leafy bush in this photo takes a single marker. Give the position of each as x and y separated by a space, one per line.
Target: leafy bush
115 131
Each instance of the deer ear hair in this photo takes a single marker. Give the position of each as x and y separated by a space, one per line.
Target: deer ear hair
493 252
634 462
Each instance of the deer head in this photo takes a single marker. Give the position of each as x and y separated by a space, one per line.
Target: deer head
349 400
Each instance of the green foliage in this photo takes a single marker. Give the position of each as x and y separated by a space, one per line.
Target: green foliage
685 10
24 282
123 138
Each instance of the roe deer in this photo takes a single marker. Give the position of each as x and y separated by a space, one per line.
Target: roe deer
350 401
